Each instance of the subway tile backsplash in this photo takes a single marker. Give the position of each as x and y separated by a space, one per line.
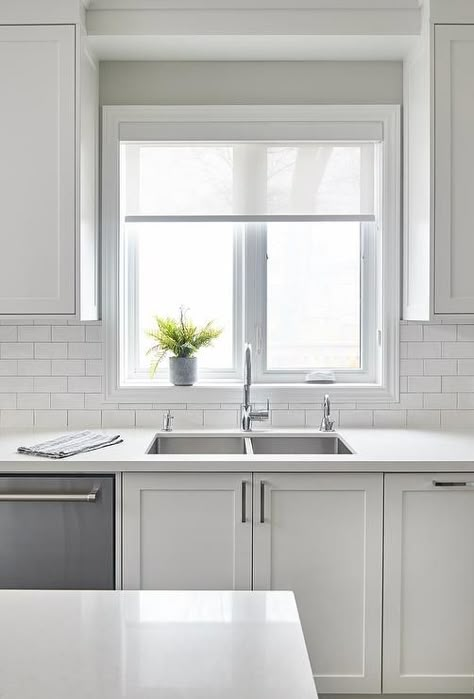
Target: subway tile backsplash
51 376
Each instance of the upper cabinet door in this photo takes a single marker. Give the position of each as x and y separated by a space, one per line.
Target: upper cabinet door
429 584
37 170
320 535
454 170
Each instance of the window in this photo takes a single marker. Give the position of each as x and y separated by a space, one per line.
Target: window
277 230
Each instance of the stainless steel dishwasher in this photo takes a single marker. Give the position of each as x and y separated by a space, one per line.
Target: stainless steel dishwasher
57 532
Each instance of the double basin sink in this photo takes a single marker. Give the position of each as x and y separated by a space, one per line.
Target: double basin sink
249 444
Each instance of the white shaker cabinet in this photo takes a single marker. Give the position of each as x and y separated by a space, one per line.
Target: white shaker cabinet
454 170
320 535
37 176
48 172
187 531
439 169
429 583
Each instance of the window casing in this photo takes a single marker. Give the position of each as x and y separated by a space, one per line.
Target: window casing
376 372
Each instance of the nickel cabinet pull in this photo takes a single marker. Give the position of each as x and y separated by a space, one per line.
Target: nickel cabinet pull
453 484
262 502
244 502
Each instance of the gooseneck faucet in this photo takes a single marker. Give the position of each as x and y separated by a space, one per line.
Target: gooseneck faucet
327 423
247 413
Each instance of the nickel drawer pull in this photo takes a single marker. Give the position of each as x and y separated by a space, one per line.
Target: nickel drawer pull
50 497
453 484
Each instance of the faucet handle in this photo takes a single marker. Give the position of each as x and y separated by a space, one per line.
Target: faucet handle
168 418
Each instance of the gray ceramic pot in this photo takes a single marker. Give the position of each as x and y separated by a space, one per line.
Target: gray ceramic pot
183 371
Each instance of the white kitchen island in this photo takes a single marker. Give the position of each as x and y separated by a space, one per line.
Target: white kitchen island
137 644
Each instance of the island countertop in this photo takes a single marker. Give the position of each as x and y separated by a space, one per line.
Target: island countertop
375 450
137 644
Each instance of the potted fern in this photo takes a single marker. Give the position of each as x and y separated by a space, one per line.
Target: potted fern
180 339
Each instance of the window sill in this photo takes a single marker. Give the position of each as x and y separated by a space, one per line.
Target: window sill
231 392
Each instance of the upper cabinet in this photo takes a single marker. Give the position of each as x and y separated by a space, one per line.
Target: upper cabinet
439 170
453 169
48 142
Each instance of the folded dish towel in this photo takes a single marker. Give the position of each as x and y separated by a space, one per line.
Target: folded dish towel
69 444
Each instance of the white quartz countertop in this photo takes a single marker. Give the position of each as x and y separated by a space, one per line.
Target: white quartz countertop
389 450
138 645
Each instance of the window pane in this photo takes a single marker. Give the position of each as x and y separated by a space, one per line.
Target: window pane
313 295
188 265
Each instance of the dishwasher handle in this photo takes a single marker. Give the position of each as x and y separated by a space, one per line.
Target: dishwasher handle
91 496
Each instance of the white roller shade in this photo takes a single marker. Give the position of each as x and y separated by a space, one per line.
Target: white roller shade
260 179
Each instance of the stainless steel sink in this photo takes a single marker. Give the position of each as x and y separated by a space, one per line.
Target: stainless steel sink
248 444
299 444
197 444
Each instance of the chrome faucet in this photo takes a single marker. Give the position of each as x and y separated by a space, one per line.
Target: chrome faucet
167 425
247 413
327 423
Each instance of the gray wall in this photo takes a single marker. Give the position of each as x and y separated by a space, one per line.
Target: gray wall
249 82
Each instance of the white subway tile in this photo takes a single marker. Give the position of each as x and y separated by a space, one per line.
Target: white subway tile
466 367
411 333
287 418
50 418
403 384
411 367
50 384
94 367
8 367
440 367
34 333
221 419
8 401
68 367
16 350
423 350
67 401
16 418
118 418
403 350
34 367
465 401
50 350
93 333
356 418
33 401
458 350
423 418
465 333
424 384
410 401
457 419
84 384
95 401
8 333
437 333
389 418
188 419
16 384
68 333
84 418
85 350
458 384
440 401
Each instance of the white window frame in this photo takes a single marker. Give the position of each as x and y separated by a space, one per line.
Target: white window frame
233 122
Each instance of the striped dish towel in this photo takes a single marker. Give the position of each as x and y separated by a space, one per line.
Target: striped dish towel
70 444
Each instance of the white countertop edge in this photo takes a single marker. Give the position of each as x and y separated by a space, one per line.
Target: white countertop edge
376 450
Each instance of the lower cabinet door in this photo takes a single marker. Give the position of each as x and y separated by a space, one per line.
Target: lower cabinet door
320 535
429 583
187 531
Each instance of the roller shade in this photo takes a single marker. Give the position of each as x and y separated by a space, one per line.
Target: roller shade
247 180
